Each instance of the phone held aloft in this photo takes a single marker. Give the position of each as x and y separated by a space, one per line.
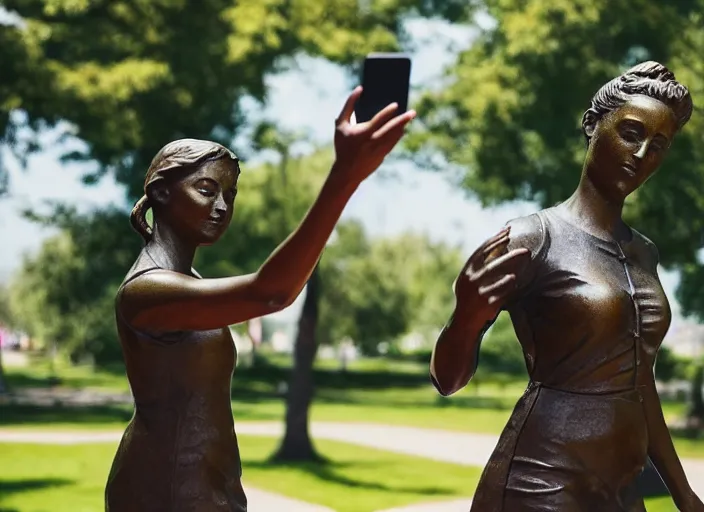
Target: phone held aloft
386 78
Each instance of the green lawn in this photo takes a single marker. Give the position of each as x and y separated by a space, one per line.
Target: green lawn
39 478
375 390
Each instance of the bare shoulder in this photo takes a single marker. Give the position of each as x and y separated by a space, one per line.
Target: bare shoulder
151 287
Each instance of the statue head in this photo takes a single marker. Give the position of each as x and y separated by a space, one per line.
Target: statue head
630 126
190 186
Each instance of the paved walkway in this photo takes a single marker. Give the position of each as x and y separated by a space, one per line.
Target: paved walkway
263 501
455 447
436 506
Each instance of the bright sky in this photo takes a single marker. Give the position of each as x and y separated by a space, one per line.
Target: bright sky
394 200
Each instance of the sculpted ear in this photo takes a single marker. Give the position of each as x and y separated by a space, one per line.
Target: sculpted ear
589 122
158 193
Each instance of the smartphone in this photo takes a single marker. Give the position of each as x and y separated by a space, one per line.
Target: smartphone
386 78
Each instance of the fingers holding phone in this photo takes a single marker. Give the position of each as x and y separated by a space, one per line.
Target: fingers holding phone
361 148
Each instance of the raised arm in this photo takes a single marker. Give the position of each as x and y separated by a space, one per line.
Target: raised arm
483 287
163 300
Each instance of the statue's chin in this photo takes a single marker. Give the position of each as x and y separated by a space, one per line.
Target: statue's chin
210 239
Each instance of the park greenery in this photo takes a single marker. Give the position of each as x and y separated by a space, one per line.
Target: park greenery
386 391
123 77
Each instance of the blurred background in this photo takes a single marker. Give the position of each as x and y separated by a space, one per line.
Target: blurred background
89 92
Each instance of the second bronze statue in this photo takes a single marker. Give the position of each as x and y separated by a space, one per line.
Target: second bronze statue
586 303
179 452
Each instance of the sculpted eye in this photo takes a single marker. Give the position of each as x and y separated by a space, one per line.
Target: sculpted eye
630 135
631 131
206 188
658 145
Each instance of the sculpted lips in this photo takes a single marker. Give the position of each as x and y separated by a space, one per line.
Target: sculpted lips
216 219
630 168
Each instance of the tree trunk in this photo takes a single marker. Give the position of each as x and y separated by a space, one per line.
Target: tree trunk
695 412
297 444
254 343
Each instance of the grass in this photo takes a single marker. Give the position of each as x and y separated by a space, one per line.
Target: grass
38 374
373 390
72 478
39 478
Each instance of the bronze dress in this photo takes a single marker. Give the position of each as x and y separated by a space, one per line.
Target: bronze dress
590 315
179 451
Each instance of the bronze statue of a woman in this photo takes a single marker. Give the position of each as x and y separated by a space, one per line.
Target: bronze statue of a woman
179 451
587 306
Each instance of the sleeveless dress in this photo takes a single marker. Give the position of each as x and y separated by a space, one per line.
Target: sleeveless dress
590 316
179 451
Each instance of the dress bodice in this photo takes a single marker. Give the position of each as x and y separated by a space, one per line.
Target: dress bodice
589 313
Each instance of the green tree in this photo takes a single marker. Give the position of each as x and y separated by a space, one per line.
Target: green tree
6 320
500 352
5 311
385 287
53 296
130 75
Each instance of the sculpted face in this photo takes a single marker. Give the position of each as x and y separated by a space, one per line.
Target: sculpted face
628 145
199 206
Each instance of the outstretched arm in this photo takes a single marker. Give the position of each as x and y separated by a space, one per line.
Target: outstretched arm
163 300
482 288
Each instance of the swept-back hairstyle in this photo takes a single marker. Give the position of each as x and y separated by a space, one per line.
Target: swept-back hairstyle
647 78
176 158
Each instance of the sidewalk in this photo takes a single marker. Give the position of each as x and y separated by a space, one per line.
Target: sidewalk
258 500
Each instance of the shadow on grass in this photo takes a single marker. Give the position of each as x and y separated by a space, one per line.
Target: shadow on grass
266 375
15 415
17 378
331 472
9 487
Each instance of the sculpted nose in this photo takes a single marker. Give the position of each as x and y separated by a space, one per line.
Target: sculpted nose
642 150
220 205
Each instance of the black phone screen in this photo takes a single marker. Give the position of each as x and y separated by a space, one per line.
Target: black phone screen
385 79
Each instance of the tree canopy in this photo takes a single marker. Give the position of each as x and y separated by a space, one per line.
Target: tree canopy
131 75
